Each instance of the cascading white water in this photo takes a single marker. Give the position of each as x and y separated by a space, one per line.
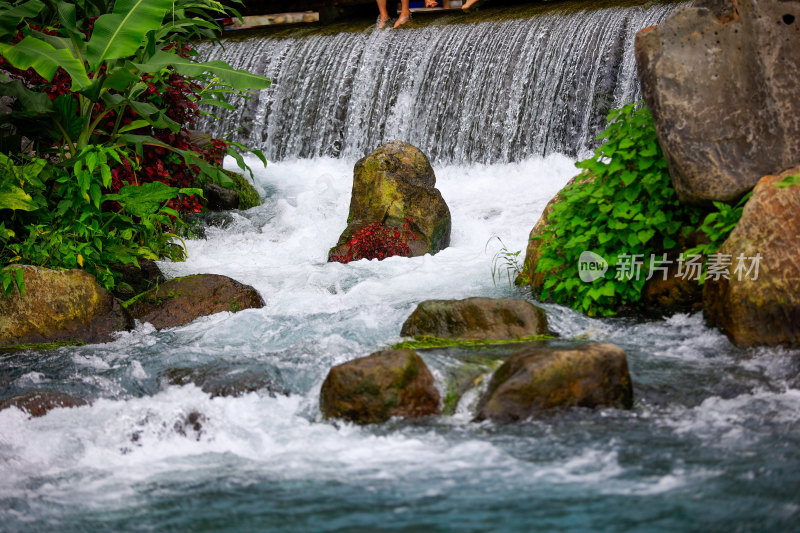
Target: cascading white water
482 92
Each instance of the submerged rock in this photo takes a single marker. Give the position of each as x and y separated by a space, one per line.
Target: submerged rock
476 318
757 301
721 82
181 300
538 379
40 403
375 388
223 382
60 306
393 183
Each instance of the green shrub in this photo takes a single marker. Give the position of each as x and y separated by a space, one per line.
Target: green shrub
623 203
60 218
105 91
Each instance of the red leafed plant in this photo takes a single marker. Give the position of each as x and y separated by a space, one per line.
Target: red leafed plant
377 241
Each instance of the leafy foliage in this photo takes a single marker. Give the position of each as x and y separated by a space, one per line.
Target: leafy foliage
377 241
106 91
718 225
62 222
622 203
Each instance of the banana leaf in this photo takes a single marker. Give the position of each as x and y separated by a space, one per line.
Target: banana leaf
120 33
238 79
45 59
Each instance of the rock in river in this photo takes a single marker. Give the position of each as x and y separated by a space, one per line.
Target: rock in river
40 403
476 318
538 379
756 300
60 306
393 183
375 388
181 300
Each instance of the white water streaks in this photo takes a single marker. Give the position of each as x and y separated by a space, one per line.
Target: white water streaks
465 93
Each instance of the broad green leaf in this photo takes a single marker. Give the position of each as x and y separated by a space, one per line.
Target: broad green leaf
239 79
135 125
10 18
143 200
45 60
30 102
67 17
119 79
120 33
66 108
14 198
154 115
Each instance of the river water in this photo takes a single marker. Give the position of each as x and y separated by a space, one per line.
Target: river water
712 444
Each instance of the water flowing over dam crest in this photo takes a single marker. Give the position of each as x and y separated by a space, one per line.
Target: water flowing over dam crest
485 92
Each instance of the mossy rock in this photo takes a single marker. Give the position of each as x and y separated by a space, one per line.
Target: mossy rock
248 195
536 380
375 388
181 300
394 183
60 306
476 318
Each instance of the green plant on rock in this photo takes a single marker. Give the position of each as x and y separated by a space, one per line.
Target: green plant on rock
718 225
504 260
624 209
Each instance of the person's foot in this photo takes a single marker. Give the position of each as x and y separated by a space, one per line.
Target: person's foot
468 4
381 23
431 3
402 19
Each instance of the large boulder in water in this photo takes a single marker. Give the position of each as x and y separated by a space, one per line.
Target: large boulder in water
539 379
181 300
394 183
375 388
60 306
721 80
759 302
476 318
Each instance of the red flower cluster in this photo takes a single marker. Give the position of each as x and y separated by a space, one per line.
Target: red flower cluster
377 241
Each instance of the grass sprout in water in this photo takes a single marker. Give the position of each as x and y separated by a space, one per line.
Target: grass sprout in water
504 261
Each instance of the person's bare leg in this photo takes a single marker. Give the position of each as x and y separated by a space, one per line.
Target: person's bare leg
384 16
468 4
405 13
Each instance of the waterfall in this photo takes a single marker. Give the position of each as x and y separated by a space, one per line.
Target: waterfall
486 92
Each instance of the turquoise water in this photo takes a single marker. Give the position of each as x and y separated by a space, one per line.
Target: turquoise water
712 444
